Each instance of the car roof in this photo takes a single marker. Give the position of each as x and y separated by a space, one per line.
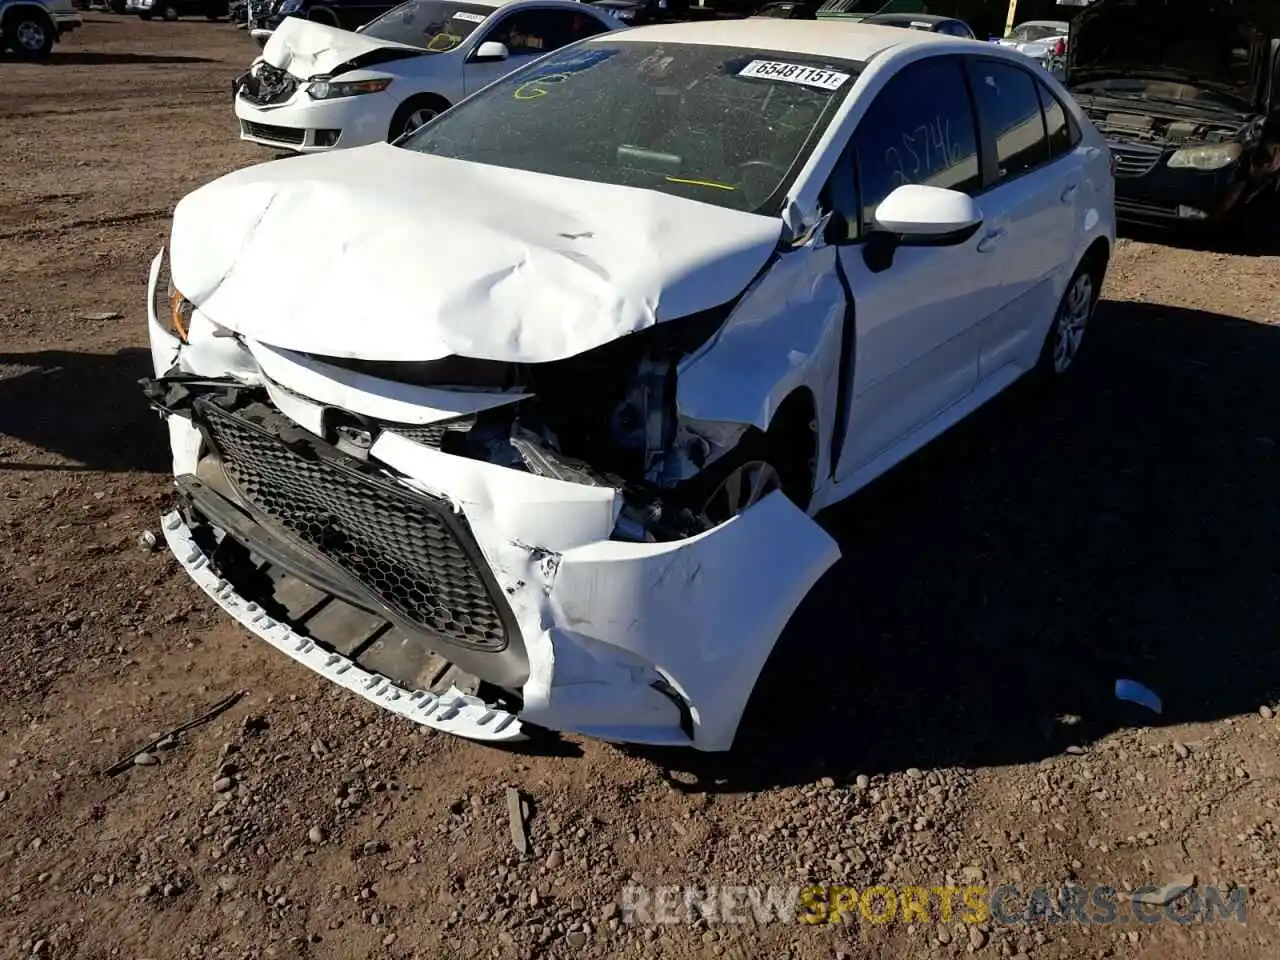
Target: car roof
896 18
822 38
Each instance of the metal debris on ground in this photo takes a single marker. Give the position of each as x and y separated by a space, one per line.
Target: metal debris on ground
124 763
1168 893
517 815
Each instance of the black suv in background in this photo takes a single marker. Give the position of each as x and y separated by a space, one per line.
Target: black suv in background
1187 93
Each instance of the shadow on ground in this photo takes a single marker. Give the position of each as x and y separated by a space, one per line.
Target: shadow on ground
85 407
1126 526
1253 233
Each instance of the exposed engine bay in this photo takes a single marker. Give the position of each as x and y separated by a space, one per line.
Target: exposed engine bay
1156 128
605 418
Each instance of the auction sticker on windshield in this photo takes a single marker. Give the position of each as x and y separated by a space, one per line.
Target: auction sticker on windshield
469 17
794 73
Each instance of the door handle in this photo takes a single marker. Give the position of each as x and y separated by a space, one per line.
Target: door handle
990 241
1069 194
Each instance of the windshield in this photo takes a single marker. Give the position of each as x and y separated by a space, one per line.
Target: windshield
724 125
1031 32
433 25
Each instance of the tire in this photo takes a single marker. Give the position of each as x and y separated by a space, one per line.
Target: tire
1070 322
30 35
759 465
323 15
116 6
413 113
169 13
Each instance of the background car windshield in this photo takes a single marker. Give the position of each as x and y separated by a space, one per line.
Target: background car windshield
1031 32
724 125
430 24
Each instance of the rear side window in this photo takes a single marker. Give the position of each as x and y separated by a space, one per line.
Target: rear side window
919 129
1063 133
1010 110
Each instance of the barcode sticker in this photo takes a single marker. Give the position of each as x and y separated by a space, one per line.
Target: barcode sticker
469 17
794 73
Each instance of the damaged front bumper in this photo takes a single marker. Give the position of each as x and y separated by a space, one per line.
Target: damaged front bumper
468 596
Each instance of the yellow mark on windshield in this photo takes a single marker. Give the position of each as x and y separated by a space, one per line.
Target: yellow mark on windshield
531 90
701 183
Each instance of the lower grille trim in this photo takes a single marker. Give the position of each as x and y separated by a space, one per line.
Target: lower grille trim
269 131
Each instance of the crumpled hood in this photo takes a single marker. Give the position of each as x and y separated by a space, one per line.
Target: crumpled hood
307 49
381 253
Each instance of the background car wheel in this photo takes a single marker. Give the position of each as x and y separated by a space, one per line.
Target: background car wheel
116 6
30 33
323 15
413 113
169 13
1066 334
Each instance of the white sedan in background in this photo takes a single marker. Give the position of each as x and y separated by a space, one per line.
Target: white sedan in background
1042 40
317 87
524 419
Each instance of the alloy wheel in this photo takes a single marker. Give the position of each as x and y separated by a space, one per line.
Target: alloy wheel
417 118
1077 307
746 486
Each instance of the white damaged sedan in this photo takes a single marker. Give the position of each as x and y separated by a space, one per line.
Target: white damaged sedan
521 423
318 88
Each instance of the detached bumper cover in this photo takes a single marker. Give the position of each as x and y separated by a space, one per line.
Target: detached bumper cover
454 712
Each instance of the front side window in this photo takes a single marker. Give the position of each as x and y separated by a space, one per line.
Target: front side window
541 31
434 25
920 129
724 125
1010 109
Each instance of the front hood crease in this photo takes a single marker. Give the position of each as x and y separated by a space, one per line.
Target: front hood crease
379 253
306 49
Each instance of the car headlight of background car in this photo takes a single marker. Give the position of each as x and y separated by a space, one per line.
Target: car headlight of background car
328 90
1213 156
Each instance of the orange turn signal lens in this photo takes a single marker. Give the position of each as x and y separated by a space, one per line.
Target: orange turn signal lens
180 309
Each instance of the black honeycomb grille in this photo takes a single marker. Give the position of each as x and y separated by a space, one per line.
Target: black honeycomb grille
431 434
414 554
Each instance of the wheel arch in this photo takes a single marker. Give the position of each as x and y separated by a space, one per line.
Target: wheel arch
793 432
7 15
322 13
412 102
1098 253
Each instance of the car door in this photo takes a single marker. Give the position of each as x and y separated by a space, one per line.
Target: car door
915 352
528 33
1029 199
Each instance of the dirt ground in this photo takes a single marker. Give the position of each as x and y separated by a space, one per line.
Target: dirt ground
941 712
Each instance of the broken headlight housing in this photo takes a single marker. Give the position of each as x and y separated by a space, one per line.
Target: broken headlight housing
328 90
1210 156
172 309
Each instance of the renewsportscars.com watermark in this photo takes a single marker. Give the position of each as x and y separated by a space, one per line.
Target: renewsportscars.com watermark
1004 904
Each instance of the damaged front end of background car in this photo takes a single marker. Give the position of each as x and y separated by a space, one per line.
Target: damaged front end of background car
481 544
